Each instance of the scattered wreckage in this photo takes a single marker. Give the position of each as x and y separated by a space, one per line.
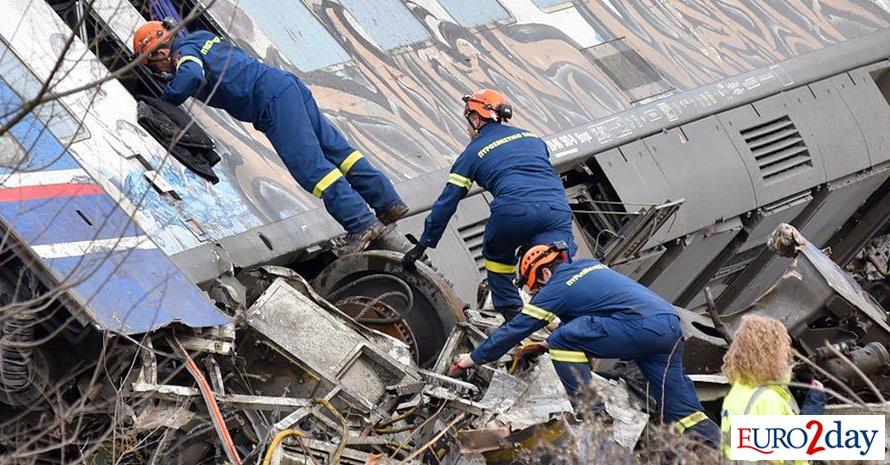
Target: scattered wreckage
347 369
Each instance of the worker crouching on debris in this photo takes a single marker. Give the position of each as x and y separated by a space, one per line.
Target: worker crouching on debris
603 314
529 204
281 106
758 364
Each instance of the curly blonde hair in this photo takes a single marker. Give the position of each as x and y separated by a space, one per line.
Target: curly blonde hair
760 352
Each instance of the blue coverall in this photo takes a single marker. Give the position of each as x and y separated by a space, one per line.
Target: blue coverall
604 314
529 206
282 107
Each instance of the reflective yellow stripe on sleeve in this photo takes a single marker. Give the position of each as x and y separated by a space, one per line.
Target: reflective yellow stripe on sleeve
326 182
690 420
193 58
538 312
568 356
352 159
497 267
460 181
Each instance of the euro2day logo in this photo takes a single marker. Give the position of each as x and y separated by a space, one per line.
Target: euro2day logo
808 437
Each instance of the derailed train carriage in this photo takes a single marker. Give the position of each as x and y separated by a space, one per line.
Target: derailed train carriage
684 132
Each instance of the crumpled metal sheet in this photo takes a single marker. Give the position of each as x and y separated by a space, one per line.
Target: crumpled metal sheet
154 417
629 420
544 397
325 345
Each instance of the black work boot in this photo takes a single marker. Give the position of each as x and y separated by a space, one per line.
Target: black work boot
357 241
393 213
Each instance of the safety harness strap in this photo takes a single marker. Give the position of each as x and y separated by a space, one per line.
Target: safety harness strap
538 312
352 159
690 420
326 182
567 356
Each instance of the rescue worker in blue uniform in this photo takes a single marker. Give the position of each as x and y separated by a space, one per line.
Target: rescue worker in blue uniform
602 314
282 107
529 204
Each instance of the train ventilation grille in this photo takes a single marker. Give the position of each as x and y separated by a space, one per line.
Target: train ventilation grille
472 235
778 148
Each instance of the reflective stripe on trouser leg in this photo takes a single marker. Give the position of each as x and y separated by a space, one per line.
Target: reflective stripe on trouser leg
572 374
369 182
344 204
374 187
690 420
350 160
299 149
326 182
504 295
698 424
571 364
568 356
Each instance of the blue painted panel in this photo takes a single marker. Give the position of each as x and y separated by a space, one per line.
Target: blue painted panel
60 121
296 32
544 4
135 291
389 22
128 291
44 149
37 221
472 13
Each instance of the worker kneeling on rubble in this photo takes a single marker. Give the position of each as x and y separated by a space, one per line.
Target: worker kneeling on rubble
529 206
282 107
758 364
603 314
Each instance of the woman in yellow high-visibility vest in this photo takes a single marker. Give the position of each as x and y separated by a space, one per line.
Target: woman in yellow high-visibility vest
758 364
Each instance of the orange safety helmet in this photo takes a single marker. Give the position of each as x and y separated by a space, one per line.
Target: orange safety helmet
151 36
490 104
536 257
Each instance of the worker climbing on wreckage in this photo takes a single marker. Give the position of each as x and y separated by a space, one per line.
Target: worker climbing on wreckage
282 107
529 204
603 314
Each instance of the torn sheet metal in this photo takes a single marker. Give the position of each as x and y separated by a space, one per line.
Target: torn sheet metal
324 345
628 419
154 417
502 394
544 397
65 224
553 435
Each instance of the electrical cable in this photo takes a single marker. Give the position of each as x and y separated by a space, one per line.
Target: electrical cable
267 459
210 401
335 459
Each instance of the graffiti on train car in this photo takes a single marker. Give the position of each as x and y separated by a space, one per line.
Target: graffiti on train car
400 104
392 83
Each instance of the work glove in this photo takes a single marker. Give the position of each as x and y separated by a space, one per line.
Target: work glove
459 369
526 354
416 253
532 350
